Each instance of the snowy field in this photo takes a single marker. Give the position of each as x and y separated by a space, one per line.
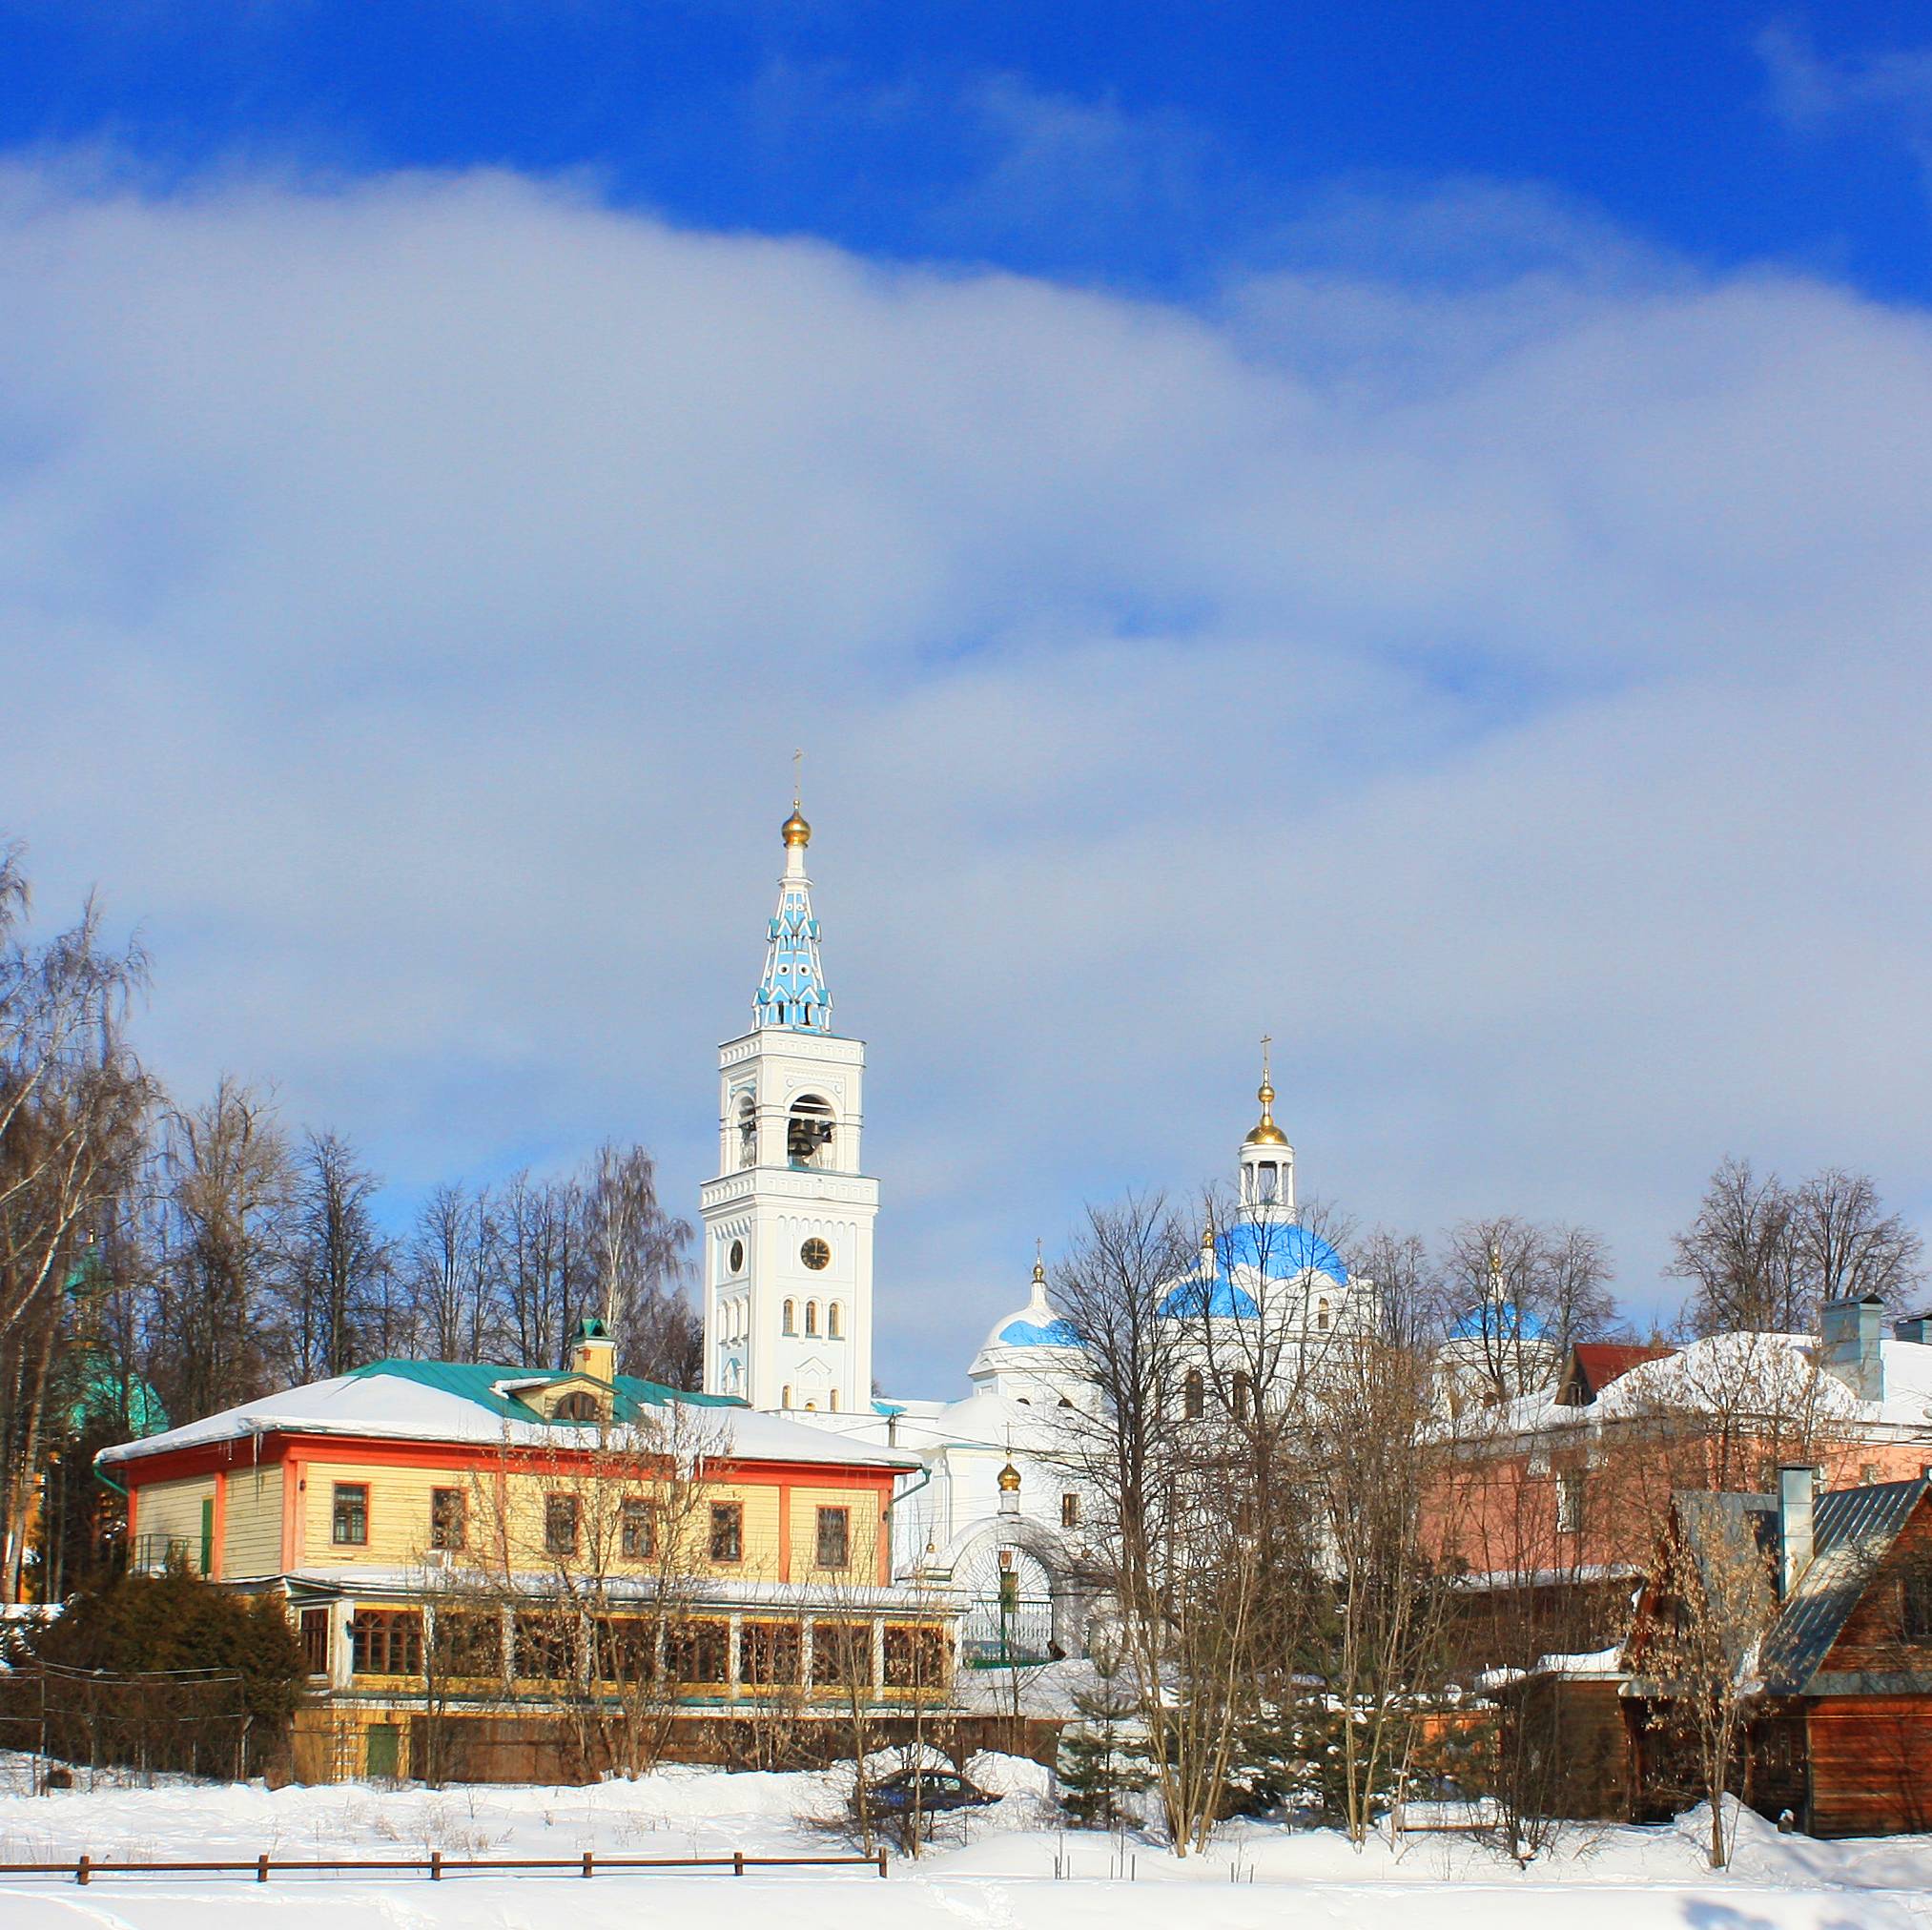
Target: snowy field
996 1868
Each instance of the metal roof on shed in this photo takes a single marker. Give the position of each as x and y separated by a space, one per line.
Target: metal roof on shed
1853 1530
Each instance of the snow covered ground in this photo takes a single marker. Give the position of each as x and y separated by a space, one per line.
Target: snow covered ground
996 1868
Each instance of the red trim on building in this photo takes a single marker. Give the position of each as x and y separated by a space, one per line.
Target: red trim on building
292 1481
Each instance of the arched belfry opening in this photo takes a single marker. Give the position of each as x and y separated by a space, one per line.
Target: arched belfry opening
748 1131
808 1133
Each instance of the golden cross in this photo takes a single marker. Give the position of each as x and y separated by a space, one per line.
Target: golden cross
798 777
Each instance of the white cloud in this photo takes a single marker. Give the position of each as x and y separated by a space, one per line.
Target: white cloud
1509 694
1889 89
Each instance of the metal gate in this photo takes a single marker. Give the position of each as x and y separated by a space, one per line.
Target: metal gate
1009 1617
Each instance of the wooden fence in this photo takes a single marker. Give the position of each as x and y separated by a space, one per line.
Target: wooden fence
84 1869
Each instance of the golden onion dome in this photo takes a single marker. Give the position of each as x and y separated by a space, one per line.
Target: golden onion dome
1009 1479
795 831
1266 1133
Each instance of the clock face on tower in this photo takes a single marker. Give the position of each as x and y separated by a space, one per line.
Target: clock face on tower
815 1254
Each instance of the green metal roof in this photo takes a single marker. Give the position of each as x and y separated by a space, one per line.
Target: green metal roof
477 1381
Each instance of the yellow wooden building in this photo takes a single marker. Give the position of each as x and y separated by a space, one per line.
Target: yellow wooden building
527 1574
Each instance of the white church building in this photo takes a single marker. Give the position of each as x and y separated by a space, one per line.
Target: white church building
787 1222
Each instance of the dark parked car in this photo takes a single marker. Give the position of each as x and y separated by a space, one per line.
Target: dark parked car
938 1789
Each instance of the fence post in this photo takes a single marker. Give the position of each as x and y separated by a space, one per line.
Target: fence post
80 1869
738 1862
586 1862
435 1866
262 1868
882 1860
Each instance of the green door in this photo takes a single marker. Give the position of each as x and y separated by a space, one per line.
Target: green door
208 1538
384 1742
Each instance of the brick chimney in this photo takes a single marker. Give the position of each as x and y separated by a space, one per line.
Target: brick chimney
1851 1334
1795 1488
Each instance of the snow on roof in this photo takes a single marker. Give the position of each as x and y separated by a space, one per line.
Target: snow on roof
1484 1580
456 1401
1599 1664
1736 1371
989 1420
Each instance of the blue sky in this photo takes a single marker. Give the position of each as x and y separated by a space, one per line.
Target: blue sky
1404 527
1180 137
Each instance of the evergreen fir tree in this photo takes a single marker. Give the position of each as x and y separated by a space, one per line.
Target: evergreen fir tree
1101 1761
1271 1768
175 1621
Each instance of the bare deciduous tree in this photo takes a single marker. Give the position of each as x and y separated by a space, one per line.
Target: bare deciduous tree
1381 1461
451 1266
1764 1257
73 1106
1710 1599
229 1188
1412 1305
1181 1585
638 1251
338 1263
1536 1289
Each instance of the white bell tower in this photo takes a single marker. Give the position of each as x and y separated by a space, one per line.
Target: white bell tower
787 1222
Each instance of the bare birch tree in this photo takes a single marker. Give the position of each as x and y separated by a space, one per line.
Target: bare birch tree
638 1252
230 1190
73 1105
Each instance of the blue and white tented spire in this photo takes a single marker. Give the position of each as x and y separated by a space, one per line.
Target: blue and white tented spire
793 993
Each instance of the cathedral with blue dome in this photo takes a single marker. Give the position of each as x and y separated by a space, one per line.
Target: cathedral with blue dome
788 1302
